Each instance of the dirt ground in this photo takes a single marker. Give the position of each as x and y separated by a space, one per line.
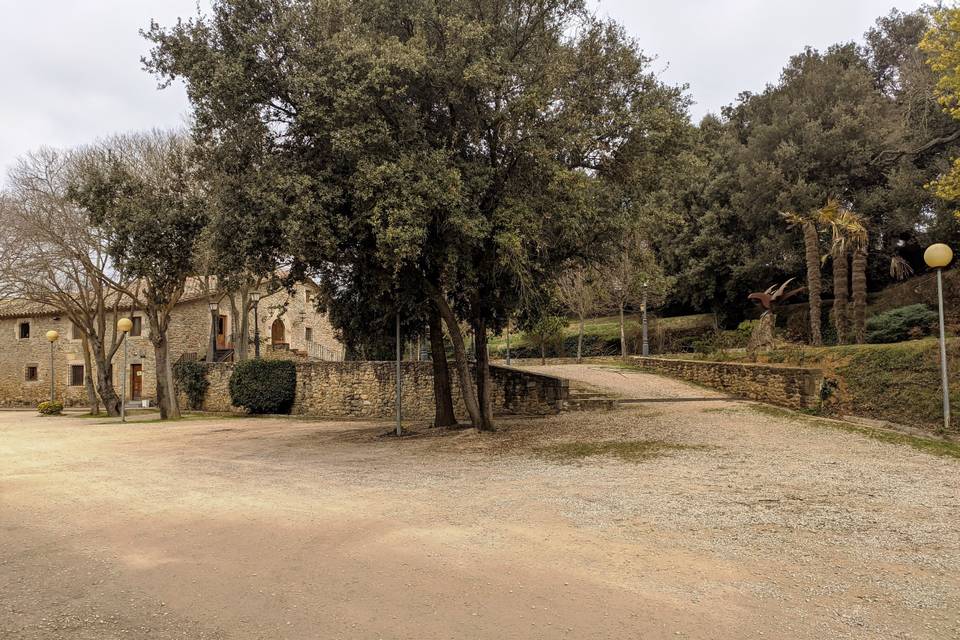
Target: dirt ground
699 517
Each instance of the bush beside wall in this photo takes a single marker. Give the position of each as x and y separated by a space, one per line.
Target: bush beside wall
264 386
190 379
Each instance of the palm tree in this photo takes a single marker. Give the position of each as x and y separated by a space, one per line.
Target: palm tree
849 232
811 244
843 226
849 235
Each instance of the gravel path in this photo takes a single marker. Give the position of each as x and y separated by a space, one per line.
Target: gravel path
750 523
629 383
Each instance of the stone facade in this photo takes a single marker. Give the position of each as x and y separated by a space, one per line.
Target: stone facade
794 387
305 334
368 390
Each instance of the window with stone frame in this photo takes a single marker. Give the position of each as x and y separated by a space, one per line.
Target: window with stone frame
75 332
23 331
76 375
308 334
137 328
31 373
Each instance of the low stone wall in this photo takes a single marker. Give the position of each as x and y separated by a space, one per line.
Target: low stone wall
532 362
368 390
794 387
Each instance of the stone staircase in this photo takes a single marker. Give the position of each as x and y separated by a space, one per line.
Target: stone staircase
586 398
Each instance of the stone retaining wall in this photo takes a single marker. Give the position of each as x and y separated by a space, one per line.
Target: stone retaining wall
368 389
794 387
533 362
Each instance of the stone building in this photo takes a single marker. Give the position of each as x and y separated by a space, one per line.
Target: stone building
290 327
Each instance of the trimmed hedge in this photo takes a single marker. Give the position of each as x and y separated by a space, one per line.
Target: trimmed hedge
50 408
264 386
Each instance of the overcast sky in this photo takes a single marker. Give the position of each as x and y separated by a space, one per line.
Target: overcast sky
71 68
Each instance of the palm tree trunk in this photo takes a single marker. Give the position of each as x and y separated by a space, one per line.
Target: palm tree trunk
840 293
812 245
858 286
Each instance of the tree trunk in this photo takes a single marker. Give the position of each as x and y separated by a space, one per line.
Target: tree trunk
467 389
858 287
812 245
840 294
111 401
240 324
580 340
92 400
442 394
623 335
166 397
484 382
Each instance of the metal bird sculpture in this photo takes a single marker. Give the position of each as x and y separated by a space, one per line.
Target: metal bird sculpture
775 295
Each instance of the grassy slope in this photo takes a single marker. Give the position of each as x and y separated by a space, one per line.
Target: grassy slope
607 328
897 382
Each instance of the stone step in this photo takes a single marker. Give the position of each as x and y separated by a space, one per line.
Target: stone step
588 398
587 395
591 404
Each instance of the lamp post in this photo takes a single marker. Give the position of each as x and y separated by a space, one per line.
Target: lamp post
399 387
124 325
937 256
618 289
214 307
508 342
52 336
643 307
255 299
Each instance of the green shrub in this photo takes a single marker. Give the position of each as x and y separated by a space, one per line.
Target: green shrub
264 386
49 408
191 379
904 323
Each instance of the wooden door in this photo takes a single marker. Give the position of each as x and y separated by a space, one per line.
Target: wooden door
136 381
277 332
222 332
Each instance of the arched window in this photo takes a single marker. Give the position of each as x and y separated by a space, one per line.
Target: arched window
277 332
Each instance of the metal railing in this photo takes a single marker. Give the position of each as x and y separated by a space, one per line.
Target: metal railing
316 351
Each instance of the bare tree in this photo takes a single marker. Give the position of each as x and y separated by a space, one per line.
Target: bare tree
631 277
577 292
54 256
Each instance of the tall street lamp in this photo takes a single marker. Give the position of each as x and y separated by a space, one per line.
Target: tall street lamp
214 307
643 307
255 299
618 289
124 325
52 337
937 256
399 383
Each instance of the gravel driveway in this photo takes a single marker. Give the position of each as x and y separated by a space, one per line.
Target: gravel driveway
721 519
